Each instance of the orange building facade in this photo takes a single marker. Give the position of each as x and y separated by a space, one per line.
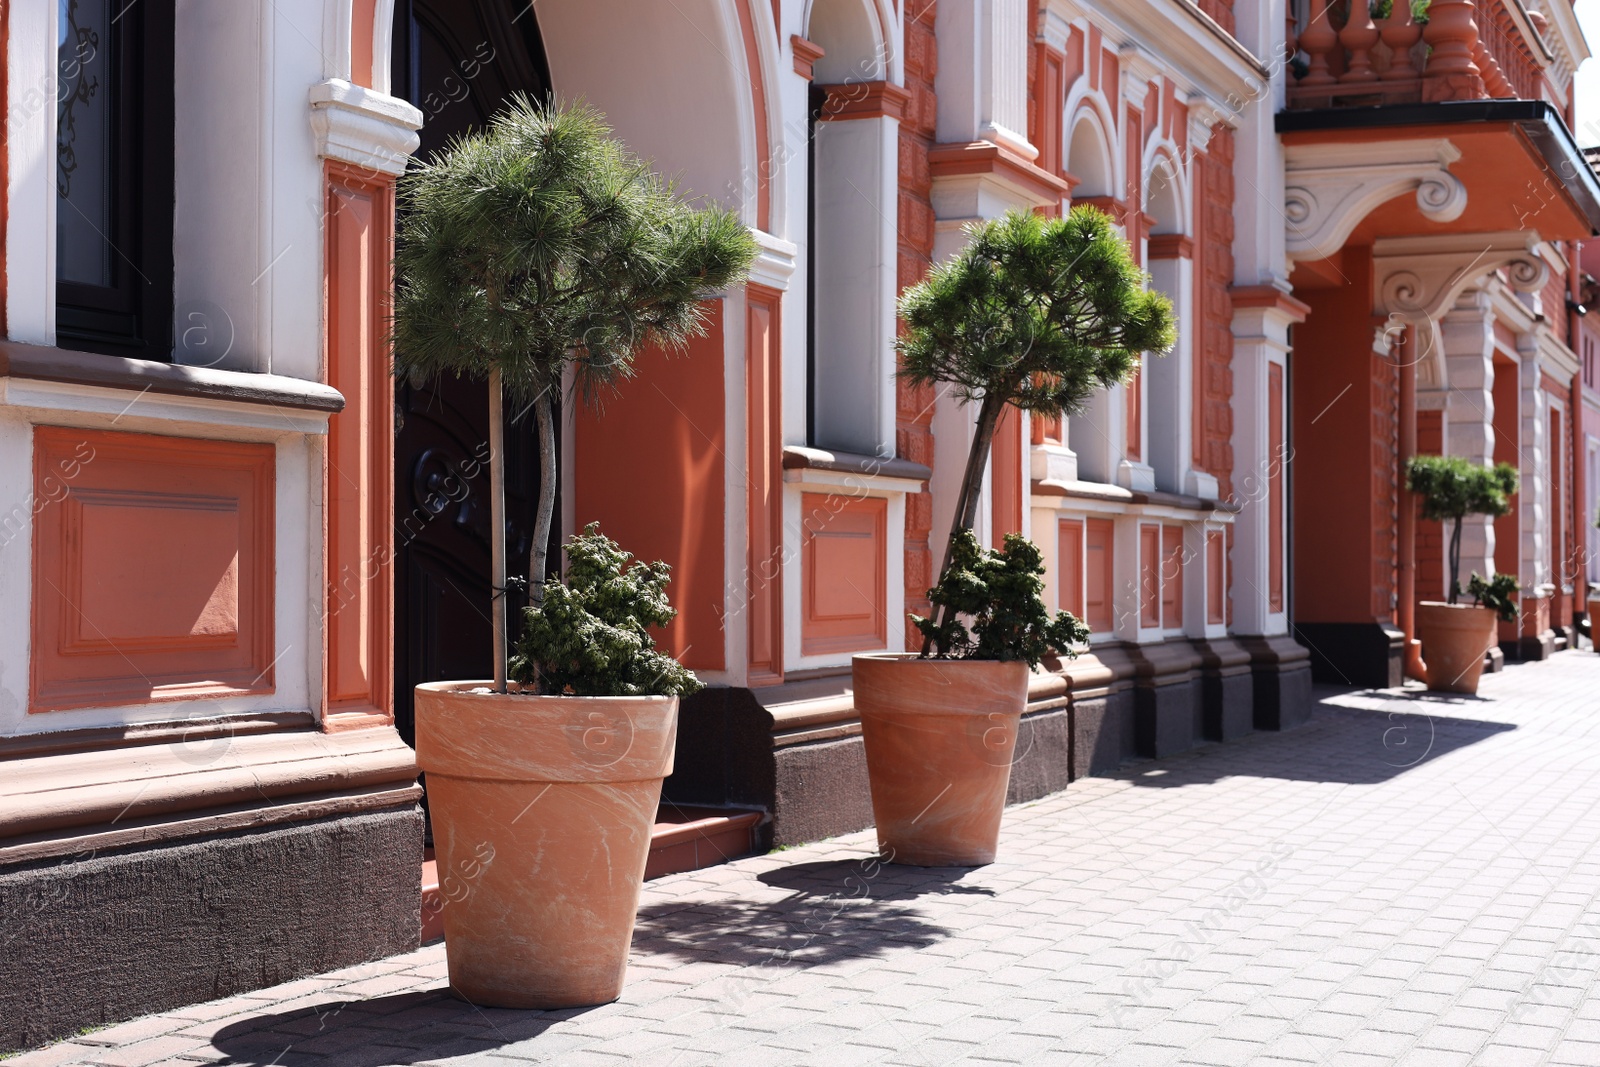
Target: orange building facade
233 543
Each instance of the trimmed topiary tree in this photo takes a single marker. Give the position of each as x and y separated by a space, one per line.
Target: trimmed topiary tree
1037 313
541 246
1453 487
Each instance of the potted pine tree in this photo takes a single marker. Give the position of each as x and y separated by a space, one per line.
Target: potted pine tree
1455 637
536 249
1036 313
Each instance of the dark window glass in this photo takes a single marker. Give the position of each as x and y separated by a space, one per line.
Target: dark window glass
114 177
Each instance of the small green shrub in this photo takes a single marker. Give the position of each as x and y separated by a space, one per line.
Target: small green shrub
1496 593
1000 592
590 636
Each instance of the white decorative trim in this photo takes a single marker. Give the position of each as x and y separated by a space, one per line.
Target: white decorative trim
359 126
1205 115
1417 279
1330 189
1139 69
1055 27
774 264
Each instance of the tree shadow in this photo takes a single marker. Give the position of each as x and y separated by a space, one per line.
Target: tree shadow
836 910
380 1031
1341 744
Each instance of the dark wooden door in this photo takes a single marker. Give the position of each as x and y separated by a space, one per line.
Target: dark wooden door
458 61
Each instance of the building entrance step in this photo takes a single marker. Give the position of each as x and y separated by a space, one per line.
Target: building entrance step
685 838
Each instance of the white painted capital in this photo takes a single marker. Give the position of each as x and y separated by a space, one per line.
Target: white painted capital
1205 114
1139 69
1330 189
365 128
1418 279
774 262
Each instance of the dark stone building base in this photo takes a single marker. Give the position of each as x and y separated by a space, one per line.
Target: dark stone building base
1227 693
1367 655
96 939
1281 676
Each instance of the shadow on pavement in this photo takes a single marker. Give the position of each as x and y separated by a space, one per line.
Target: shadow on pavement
836 910
1341 744
379 1031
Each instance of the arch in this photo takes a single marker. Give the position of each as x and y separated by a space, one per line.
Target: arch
1091 142
1166 190
850 33
683 60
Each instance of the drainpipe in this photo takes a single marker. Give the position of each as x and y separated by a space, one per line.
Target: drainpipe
1406 613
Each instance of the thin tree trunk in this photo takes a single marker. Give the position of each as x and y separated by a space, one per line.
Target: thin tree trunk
971 489
538 558
497 530
1455 561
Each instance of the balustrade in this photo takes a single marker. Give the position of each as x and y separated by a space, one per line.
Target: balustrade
1434 51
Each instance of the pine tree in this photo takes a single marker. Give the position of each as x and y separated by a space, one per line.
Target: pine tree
1034 312
538 245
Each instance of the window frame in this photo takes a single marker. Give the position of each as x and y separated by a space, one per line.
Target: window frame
133 316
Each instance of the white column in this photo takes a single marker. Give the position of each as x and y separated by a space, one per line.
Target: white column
1260 339
1468 336
982 81
1533 498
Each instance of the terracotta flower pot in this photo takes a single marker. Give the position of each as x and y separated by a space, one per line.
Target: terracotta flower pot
939 736
1455 638
542 809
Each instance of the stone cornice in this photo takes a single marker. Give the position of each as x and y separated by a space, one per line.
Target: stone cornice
366 129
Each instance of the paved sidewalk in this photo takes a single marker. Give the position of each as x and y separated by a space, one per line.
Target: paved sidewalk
1408 879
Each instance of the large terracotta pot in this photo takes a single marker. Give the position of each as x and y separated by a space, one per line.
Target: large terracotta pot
542 809
940 736
1455 638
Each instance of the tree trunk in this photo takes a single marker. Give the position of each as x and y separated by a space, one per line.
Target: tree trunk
538 557
1455 561
497 530
971 488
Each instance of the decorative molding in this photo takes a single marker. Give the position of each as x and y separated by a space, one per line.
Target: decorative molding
1418 279
775 262
366 129
806 55
1330 189
153 569
1170 246
864 100
1139 69
1269 298
844 574
1205 115
999 162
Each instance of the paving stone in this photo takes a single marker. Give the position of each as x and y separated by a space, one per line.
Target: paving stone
1290 898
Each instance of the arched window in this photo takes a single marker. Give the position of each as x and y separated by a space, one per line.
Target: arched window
1170 261
1090 434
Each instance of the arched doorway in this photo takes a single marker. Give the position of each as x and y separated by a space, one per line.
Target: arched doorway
457 61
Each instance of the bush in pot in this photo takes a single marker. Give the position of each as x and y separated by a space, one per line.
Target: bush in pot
535 250
1035 313
1455 637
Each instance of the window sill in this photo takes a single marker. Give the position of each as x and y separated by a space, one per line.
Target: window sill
41 363
1118 495
823 467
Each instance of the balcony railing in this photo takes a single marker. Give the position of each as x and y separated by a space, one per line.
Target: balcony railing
1422 52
